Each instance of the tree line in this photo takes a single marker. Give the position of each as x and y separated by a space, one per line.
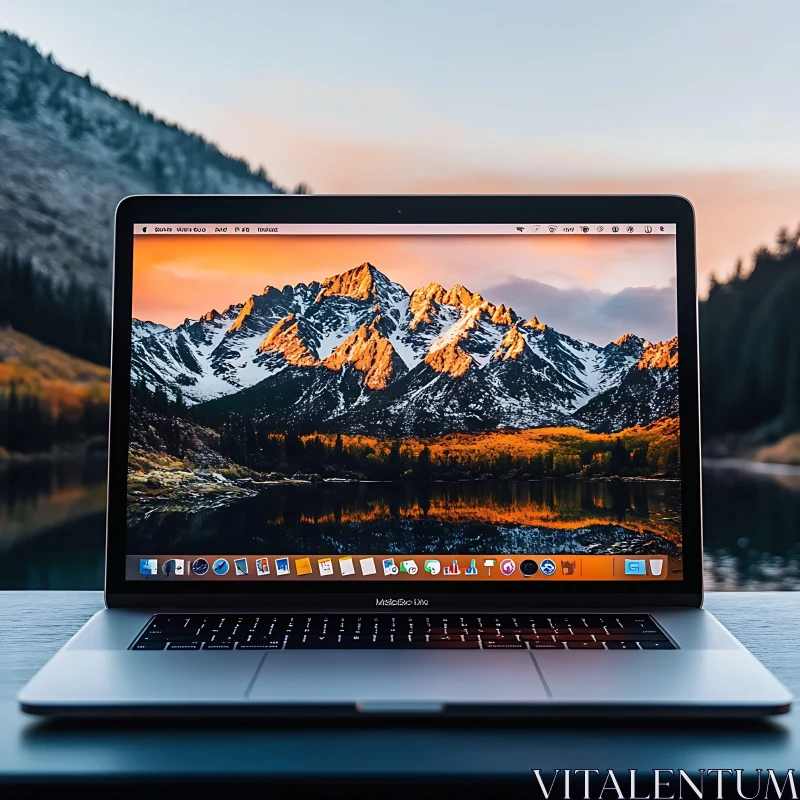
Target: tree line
750 347
71 316
175 160
256 446
28 425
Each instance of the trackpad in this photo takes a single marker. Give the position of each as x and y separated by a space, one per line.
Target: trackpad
378 679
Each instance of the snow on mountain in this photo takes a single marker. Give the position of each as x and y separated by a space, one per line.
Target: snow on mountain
647 391
358 353
142 328
371 354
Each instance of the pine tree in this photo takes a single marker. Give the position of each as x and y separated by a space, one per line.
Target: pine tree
394 463
180 403
292 446
424 464
338 448
160 401
14 420
72 318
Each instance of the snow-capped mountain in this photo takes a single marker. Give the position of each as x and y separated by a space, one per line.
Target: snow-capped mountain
359 353
142 328
647 390
69 152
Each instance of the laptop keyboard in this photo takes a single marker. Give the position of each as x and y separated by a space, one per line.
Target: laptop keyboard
402 632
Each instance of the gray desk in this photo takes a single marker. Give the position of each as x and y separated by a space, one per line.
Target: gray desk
35 624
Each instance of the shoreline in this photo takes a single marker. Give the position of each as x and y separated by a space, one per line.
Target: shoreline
751 466
91 448
212 486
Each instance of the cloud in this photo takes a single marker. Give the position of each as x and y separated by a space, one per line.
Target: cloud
594 315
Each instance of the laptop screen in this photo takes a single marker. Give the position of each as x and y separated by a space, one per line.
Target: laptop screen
361 403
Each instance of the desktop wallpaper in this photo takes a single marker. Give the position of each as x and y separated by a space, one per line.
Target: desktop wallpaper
393 394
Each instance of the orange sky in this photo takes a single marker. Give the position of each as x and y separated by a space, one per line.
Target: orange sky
739 208
176 277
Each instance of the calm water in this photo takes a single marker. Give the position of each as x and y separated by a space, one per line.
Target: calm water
52 521
752 527
52 524
463 517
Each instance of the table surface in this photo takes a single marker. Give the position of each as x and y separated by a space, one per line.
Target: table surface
36 624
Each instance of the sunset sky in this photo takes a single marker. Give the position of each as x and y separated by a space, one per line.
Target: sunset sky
595 287
692 98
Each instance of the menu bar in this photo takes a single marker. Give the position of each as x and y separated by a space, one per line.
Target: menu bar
394 567
314 229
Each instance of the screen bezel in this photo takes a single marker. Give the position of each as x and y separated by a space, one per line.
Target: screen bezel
384 209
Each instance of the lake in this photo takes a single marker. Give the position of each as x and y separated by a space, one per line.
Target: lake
751 526
441 517
52 522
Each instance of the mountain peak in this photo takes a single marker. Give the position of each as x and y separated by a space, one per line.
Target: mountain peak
662 355
631 344
363 282
421 303
512 346
284 338
446 354
244 313
370 353
141 328
450 359
211 316
534 324
501 315
461 297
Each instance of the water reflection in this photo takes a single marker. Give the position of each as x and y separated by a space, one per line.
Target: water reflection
405 517
52 522
751 526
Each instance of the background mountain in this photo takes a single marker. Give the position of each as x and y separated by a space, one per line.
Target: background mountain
359 354
69 151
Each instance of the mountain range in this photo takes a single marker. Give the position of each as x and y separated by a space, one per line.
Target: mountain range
358 353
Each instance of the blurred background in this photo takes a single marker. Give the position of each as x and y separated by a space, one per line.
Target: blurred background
101 100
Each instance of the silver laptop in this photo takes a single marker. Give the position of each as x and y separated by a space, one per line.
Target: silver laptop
404 455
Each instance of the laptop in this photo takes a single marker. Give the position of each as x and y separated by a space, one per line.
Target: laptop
376 455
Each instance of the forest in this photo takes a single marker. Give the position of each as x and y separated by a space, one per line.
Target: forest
750 347
30 424
72 316
165 425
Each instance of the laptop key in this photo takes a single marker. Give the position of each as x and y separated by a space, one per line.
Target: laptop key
453 645
152 644
503 644
585 646
662 645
